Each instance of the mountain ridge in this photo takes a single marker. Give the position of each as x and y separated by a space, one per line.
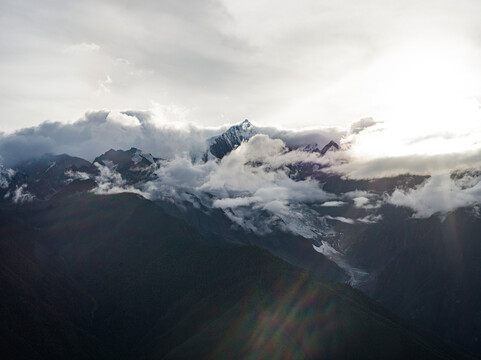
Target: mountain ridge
350 227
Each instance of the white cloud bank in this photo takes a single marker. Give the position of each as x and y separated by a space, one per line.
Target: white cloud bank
19 195
439 194
251 185
158 131
6 176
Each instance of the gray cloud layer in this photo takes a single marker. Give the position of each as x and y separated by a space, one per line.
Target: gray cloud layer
413 164
99 131
269 61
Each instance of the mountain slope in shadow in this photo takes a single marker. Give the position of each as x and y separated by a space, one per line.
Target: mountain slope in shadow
97 276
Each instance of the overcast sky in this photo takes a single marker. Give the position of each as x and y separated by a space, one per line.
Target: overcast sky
303 63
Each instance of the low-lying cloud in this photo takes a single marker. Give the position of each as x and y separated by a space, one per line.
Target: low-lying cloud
409 164
253 179
20 195
110 181
439 194
250 180
6 175
251 185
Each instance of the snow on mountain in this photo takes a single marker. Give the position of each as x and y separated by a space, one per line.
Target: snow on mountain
136 171
51 166
42 176
307 169
221 145
356 275
139 155
312 148
125 160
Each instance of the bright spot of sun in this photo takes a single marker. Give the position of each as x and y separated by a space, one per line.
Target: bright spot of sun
426 95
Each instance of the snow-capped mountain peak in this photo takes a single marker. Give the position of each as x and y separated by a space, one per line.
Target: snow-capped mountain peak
246 125
237 133
221 145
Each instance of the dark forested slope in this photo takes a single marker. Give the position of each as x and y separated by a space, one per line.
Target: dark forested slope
91 277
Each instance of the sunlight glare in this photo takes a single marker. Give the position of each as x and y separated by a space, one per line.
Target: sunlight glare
427 100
